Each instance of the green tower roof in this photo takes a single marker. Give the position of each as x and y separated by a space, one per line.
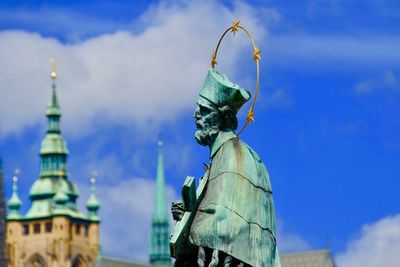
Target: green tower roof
52 193
14 203
160 212
60 198
160 255
92 204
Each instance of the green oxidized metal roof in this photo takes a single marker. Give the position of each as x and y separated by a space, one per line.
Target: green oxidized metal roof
14 203
53 143
160 212
61 198
52 193
46 195
48 187
53 108
159 254
92 204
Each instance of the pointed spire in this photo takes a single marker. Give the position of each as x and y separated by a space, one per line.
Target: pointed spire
54 150
14 204
92 204
160 211
53 112
160 255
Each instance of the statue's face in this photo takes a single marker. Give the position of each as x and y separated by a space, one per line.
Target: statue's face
207 122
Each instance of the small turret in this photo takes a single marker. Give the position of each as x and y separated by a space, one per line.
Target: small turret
92 204
14 204
60 200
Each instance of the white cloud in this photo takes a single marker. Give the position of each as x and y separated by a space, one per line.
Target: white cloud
122 77
289 241
378 245
126 210
387 81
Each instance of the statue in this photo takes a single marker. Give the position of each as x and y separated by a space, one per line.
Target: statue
230 219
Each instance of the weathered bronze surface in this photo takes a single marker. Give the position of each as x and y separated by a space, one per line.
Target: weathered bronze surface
230 220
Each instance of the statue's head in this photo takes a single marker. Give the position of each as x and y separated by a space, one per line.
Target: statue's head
218 103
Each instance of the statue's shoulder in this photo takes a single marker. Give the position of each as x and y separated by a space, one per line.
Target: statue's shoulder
240 148
236 157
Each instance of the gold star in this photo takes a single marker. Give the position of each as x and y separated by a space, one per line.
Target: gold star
250 116
256 54
235 27
213 60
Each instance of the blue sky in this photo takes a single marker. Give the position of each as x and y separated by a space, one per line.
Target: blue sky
326 125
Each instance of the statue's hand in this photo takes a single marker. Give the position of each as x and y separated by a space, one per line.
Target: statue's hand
177 210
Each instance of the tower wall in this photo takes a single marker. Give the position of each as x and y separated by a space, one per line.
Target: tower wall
60 242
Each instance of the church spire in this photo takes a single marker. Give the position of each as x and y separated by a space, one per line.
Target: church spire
14 203
53 152
160 212
53 192
160 255
92 204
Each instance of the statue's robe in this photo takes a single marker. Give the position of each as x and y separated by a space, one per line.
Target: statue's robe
237 214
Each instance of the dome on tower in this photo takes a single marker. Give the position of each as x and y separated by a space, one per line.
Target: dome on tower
60 198
53 143
41 187
47 187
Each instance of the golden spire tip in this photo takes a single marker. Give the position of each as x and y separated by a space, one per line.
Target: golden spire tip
54 66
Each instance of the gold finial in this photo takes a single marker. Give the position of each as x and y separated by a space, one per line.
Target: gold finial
93 178
15 177
54 66
235 26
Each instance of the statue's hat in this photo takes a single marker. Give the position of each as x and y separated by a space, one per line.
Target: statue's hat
220 91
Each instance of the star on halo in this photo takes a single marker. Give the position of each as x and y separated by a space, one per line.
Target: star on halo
256 54
235 27
250 116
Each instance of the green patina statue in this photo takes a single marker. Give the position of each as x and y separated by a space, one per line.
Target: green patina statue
229 220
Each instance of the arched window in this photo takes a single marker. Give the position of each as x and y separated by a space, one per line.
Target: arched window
79 262
36 261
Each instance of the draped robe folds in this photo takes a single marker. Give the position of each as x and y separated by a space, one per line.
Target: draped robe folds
237 214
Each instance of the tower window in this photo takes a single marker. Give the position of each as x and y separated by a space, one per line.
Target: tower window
86 230
48 227
25 229
77 229
36 228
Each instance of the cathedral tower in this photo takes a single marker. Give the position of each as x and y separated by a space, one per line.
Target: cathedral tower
53 233
160 255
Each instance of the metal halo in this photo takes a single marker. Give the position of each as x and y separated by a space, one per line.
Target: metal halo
256 57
